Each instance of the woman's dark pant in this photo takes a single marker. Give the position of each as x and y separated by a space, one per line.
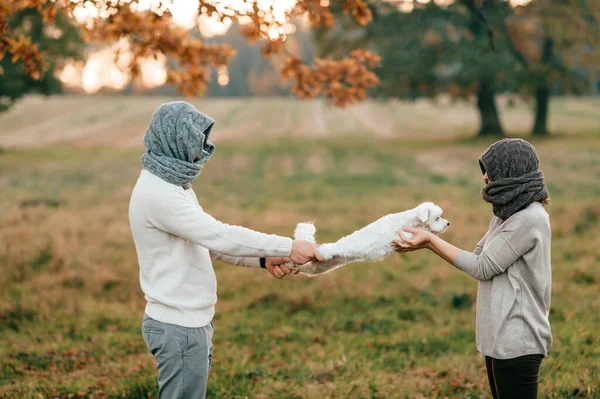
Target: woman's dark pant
516 378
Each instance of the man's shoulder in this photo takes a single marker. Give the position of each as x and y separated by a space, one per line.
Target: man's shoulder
152 189
152 182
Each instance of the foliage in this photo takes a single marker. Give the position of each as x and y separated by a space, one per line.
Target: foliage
435 48
441 47
571 28
253 75
21 72
558 45
151 33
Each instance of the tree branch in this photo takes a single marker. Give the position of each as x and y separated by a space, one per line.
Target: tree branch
472 7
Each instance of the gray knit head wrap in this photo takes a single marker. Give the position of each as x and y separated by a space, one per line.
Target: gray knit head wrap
515 180
176 135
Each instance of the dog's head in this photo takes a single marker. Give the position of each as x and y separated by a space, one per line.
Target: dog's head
429 217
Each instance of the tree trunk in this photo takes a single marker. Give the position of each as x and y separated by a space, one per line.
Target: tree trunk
542 100
488 113
542 95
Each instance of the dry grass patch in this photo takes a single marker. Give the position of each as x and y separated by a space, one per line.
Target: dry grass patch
71 308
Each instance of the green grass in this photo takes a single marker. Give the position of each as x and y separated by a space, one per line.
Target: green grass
71 306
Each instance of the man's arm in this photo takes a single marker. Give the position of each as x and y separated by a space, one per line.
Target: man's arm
173 213
244 261
275 266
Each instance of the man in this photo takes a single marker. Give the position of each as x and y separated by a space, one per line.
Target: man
175 241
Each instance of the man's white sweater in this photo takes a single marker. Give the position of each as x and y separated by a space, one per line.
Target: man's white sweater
175 241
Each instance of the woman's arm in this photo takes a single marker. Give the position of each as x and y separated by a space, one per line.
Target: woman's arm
450 253
443 249
423 239
480 244
500 252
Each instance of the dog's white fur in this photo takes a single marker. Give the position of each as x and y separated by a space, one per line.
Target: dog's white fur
372 242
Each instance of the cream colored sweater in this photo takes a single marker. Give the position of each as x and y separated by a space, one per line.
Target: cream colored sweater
175 241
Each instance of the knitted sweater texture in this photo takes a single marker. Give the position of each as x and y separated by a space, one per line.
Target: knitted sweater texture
175 241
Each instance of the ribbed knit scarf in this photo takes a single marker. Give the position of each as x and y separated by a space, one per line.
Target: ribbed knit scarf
176 136
512 194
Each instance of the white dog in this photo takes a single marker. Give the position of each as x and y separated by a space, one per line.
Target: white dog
372 242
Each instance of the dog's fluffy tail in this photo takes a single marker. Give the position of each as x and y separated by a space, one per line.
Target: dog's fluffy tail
305 231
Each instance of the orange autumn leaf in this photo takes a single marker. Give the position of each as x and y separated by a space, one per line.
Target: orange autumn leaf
152 33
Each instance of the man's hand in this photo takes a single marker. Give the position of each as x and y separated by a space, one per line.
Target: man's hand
304 251
419 240
276 267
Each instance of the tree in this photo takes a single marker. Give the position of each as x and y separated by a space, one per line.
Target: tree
441 46
251 73
434 48
151 32
58 40
444 47
558 44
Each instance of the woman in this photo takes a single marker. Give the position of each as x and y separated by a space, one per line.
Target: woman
512 264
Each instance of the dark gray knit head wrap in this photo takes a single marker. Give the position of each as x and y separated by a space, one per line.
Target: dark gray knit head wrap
512 166
176 135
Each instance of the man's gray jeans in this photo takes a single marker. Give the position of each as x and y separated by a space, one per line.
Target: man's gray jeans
183 356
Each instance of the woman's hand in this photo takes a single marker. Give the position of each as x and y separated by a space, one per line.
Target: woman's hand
421 239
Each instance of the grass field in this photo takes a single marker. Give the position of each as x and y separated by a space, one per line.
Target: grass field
71 306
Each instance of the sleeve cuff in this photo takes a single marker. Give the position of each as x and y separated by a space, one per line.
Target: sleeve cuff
284 248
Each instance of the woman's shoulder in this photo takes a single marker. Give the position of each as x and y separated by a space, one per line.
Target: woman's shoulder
534 215
536 211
